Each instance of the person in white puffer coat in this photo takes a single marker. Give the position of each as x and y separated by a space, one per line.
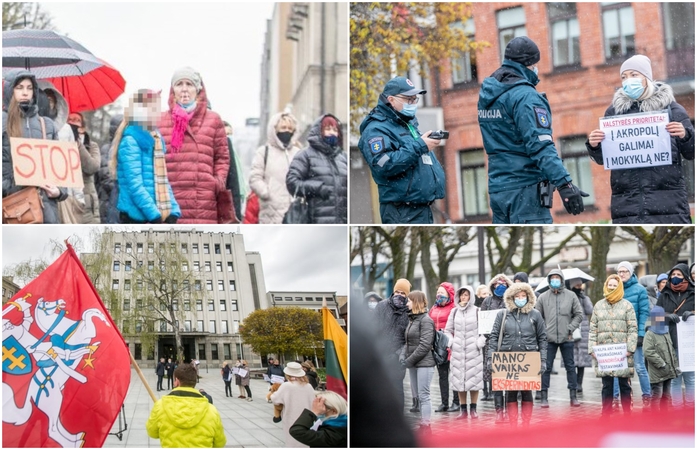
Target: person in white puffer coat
466 362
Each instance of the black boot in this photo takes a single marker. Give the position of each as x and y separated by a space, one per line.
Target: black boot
473 411
455 407
538 395
463 412
543 403
498 404
572 397
579 379
417 406
442 408
488 394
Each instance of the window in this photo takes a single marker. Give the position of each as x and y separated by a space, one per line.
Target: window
233 305
139 327
138 351
126 285
186 286
618 30
197 285
161 248
187 305
185 266
223 305
223 327
232 285
151 248
214 351
129 248
163 326
175 305
226 352
474 180
218 266
211 305
679 29
127 266
187 325
308 299
199 325
464 68
115 285
124 328
199 305
206 249
317 299
229 267
139 303
576 161
228 249
202 351
565 33
139 248
197 266
126 304
217 249
207 266
280 299
117 266
511 24
298 299
194 249
221 285
151 265
117 247
235 326
211 326
209 285
184 249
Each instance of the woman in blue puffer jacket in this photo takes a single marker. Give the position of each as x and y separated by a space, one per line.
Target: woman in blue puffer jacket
138 160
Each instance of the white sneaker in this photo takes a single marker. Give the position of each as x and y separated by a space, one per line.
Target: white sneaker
249 399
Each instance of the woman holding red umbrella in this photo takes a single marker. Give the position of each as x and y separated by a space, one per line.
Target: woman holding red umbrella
198 159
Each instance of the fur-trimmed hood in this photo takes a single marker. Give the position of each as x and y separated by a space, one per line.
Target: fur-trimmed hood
661 99
492 282
513 290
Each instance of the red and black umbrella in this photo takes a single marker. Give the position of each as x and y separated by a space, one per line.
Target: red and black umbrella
86 82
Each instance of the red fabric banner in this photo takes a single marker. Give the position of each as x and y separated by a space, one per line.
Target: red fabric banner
65 366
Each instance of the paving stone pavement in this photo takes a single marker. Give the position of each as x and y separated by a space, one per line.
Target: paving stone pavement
246 424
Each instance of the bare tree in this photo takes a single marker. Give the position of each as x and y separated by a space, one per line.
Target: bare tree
600 239
505 243
25 14
662 244
447 242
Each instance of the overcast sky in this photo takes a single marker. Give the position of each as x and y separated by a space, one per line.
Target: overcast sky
295 258
147 42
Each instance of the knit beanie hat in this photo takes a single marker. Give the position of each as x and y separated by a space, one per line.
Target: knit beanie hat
522 50
187 73
402 285
627 266
640 63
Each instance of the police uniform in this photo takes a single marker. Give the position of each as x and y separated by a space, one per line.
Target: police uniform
516 127
408 175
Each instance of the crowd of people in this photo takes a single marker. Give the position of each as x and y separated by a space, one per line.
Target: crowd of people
176 166
559 318
186 417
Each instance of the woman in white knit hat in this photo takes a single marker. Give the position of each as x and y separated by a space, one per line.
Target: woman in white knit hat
655 194
295 395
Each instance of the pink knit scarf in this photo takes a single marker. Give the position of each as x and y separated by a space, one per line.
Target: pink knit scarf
181 120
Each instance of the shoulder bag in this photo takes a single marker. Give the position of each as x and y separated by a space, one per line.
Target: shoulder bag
298 212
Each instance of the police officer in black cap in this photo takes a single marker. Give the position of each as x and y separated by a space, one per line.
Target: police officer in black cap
407 173
516 125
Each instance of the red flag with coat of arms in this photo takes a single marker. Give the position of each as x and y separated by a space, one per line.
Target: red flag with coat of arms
65 366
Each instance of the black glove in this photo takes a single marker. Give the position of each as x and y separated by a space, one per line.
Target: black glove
542 370
324 192
640 341
571 198
87 141
672 318
171 219
687 314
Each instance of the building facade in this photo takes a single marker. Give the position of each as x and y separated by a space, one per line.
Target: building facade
309 300
9 289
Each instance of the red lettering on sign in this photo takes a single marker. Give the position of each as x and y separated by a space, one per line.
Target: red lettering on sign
40 148
74 158
20 151
499 384
58 150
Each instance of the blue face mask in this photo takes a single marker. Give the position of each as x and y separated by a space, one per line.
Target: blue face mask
331 140
633 88
676 281
441 300
409 110
520 302
500 290
555 284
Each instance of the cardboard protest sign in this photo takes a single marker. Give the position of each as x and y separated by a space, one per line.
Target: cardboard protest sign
486 320
515 371
636 140
38 162
686 344
611 357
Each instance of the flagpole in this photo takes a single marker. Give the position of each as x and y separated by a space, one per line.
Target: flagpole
142 377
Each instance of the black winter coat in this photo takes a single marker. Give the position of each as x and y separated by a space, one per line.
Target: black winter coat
325 436
651 194
103 181
312 378
160 369
419 341
392 321
669 300
319 173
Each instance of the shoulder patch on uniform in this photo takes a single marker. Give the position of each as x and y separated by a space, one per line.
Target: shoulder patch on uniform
542 117
377 144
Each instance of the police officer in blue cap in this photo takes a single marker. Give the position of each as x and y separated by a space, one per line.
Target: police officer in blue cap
407 173
516 125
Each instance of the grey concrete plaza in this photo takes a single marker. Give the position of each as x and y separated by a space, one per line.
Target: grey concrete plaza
247 424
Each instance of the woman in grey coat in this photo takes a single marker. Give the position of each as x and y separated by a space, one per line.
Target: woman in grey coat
466 363
581 357
416 354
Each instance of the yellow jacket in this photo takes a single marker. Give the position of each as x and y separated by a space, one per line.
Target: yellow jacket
184 418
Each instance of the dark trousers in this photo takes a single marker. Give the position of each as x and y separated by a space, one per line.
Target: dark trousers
660 395
567 354
228 388
520 205
396 372
579 376
170 381
443 371
396 213
625 394
159 382
512 396
249 391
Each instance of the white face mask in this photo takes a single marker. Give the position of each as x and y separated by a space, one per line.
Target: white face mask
140 114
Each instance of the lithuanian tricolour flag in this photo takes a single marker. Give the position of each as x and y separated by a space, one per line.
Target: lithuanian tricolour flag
335 353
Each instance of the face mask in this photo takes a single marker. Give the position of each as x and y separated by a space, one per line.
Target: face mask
633 88
441 300
25 107
555 284
409 110
534 70
520 302
331 140
284 136
500 290
373 305
399 300
676 281
139 114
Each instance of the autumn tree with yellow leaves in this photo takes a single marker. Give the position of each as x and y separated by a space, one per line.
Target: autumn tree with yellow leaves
389 39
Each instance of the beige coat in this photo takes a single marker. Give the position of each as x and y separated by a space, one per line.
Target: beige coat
614 324
295 397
